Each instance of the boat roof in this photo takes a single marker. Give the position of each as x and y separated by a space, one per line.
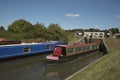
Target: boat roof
19 44
61 45
22 44
77 44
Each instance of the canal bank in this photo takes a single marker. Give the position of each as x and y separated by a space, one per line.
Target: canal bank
106 68
83 69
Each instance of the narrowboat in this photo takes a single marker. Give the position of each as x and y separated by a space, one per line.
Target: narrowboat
7 51
7 42
63 53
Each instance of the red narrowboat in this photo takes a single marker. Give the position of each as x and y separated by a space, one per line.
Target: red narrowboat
63 53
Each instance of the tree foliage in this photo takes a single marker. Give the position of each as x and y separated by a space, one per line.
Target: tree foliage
20 26
2 32
2 28
21 29
114 30
39 30
55 32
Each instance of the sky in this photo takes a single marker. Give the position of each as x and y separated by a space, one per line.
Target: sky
69 14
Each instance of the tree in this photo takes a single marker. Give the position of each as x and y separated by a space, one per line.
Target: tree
2 31
20 26
55 32
114 30
93 30
2 28
39 30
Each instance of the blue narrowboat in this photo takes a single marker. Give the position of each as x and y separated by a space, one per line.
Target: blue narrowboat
13 50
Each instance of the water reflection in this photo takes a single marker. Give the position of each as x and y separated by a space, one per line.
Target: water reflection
64 70
33 68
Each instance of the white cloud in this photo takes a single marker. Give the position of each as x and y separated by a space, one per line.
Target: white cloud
72 15
117 16
98 27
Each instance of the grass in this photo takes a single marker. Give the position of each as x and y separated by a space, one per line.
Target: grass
74 39
107 68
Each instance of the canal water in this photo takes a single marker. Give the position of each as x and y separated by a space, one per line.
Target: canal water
34 68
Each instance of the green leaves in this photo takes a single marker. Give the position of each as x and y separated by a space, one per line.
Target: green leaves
21 29
56 32
20 26
114 30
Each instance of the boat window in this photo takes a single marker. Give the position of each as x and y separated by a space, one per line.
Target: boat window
26 49
83 48
48 47
88 47
71 50
78 49
63 51
92 46
58 48
97 46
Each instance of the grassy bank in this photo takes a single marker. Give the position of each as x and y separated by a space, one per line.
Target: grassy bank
107 68
74 39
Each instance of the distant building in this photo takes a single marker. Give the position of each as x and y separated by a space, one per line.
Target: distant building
78 33
117 35
94 35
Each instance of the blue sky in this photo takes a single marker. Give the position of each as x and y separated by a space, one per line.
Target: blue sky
69 14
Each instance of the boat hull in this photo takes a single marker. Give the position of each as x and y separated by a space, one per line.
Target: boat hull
64 59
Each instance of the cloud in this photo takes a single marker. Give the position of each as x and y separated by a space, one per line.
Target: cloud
72 15
98 27
117 16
